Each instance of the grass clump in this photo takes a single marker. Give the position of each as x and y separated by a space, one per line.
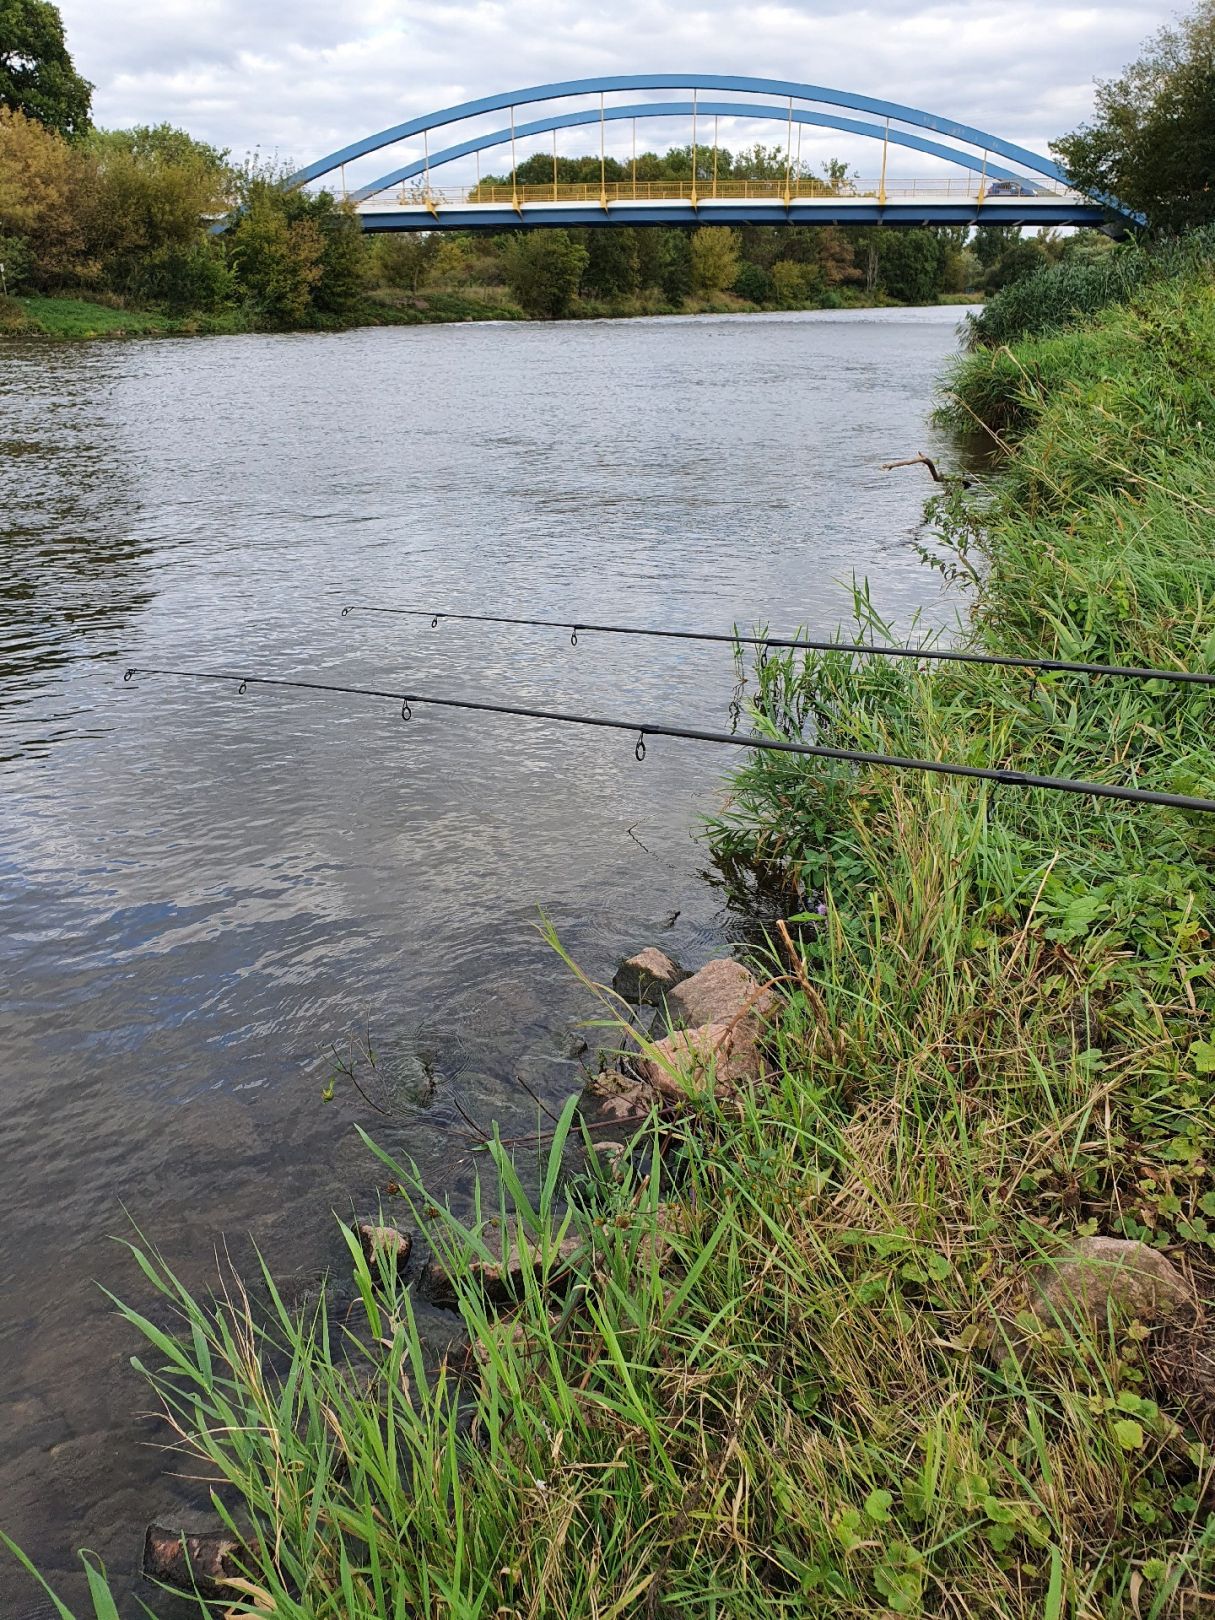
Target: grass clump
81 318
791 1369
1074 290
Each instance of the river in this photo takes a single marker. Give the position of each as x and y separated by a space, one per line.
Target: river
202 893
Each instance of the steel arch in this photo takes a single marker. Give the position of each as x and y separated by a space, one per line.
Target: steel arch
787 89
678 109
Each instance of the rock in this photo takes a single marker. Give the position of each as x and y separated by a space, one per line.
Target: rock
687 1062
384 1246
717 994
501 1281
207 1561
1096 1274
647 977
620 1098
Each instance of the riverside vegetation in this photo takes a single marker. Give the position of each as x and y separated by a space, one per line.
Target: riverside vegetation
792 1366
110 233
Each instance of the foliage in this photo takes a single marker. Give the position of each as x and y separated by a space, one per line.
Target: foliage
613 265
794 285
910 264
148 194
675 265
1151 143
37 75
402 258
754 283
277 260
990 241
1083 282
16 261
715 258
543 271
42 180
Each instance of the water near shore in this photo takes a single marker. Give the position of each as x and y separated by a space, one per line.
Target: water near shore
200 893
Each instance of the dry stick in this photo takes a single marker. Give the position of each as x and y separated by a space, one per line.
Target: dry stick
921 460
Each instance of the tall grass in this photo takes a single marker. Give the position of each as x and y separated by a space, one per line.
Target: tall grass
1074 290
790 1370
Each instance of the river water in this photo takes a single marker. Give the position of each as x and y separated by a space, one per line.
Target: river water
201 894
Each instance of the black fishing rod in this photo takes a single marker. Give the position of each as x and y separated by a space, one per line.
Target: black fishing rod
942 654
644 729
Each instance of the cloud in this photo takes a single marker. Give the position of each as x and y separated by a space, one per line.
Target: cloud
303 78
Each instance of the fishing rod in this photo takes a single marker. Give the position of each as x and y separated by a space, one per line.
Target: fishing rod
942 654
648 728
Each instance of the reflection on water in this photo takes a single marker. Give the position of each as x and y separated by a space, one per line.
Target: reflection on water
201 892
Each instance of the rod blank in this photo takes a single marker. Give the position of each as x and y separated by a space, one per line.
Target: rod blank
644 729
941 654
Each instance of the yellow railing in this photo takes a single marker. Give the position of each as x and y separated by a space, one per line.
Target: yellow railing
420 195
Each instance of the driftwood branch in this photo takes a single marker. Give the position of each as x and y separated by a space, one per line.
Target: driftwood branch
921 460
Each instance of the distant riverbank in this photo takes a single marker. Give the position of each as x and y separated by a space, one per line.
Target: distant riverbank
71 317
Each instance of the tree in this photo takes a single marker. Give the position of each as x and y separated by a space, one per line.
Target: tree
1016 263
37 75
402 258
716 257
910 264
797 284
1152 142
753 283
42 181
675 266
990 241
543 270
277 261
151 195
613 268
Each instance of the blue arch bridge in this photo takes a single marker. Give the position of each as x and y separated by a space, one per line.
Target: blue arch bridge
975 178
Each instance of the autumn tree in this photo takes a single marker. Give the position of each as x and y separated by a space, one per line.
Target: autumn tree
42 181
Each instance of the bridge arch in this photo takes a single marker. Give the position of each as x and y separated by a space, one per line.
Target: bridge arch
983 146
978 164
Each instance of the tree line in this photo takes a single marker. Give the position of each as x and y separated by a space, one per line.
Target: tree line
130 214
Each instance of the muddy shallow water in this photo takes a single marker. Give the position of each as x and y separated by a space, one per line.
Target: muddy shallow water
202 893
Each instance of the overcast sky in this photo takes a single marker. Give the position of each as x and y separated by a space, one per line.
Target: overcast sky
299 78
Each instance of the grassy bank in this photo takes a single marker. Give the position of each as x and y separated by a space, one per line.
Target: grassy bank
811 1386
79 317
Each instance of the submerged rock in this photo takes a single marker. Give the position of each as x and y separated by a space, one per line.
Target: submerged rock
647 977
1097 1275
206 1562
384 1246
501 1281
620 1097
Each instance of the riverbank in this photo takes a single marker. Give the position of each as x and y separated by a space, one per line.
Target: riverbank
801 1360
78 318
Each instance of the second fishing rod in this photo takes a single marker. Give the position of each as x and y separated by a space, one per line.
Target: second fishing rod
1056 666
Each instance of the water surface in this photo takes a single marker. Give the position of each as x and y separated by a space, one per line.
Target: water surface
201 893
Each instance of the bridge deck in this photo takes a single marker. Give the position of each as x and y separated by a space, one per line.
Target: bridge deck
940 201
